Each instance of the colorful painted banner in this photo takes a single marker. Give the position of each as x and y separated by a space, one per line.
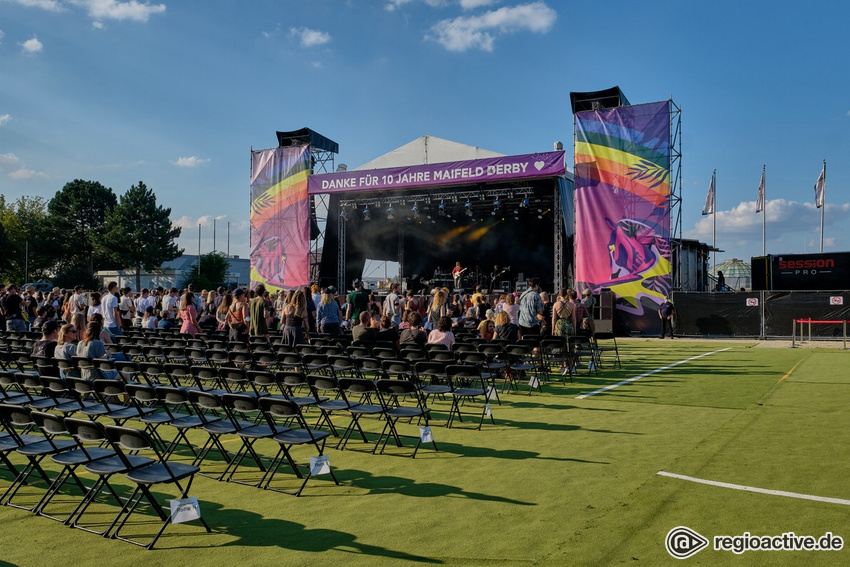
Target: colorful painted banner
622 172
527 166
280 218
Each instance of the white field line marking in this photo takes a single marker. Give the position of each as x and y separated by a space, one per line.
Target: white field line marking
650 373
759 490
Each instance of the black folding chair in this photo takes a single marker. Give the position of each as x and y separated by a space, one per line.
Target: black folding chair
126 442
276 409
401 399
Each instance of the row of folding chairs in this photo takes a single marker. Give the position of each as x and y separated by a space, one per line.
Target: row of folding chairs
104 451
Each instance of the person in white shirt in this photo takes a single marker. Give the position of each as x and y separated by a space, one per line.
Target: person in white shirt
110 311
142 303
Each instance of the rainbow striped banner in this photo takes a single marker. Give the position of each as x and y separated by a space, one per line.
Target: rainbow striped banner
622 172
280 218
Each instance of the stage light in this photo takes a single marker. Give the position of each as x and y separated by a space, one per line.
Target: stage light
415 210
343 215
390 212
367 214
468 207
525 203
441 210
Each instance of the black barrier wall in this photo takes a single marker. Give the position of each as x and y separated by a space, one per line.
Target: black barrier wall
742 313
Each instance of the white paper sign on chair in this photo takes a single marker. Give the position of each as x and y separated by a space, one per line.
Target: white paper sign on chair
320 465
185 510
534 382
425 434
491 393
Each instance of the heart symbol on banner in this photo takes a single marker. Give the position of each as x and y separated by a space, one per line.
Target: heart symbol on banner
539 165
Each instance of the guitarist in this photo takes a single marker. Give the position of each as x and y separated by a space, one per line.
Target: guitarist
457 274
495 275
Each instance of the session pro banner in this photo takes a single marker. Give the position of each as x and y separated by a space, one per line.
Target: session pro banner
622 171
280 218
526 166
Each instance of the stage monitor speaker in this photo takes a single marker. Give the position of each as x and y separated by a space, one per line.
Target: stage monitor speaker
521 286
505 287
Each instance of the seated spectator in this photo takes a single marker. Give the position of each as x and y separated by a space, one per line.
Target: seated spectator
105 336
387 333
148 319
41 317
487 329
413 334
164 320
442 333
364 332
46 346
505 329
91 347
66 344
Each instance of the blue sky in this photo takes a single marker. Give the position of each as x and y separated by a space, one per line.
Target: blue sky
176 94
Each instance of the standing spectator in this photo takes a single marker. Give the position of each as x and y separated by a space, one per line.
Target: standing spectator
170 302
666 312
79 305
189 315
317 295
358 301
257 312
141 305
312 307
127 307
511 308
238 318
391 304
13 309
110 311
296 324
30 304
329 315
530 309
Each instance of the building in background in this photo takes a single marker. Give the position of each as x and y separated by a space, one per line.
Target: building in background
171 272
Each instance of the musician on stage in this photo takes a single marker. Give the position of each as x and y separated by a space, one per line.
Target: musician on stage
495 275
457 274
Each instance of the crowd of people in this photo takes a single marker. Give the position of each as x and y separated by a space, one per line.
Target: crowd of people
82 322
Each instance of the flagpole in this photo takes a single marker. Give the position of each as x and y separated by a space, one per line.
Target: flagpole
764 214
714 215
823 206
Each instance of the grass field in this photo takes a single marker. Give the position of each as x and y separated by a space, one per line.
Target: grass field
559 480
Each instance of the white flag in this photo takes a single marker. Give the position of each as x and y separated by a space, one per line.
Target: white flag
708 209
819 187
760 201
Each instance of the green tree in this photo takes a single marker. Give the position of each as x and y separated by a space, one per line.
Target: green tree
214 269
78 215
139 233
30 251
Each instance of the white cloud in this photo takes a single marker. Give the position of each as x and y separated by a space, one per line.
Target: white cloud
395 4
49 5
310 38
98 25
191 161
101 9
787 216
1 36
9 160
32 46
480 31
117 10
473 4
26 174
4 118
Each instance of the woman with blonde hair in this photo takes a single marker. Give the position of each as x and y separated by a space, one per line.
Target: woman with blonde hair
437 309
223 309
328 315
506 330
238 317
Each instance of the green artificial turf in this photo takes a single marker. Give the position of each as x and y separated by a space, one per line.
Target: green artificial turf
557 481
